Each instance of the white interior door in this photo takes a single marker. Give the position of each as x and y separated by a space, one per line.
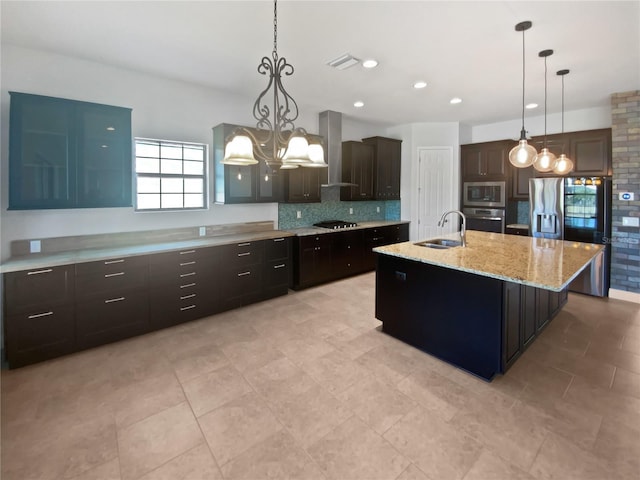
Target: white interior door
436 190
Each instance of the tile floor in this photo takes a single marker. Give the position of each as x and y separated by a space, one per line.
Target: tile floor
307 387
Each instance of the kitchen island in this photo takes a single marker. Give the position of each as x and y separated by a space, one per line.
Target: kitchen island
477 307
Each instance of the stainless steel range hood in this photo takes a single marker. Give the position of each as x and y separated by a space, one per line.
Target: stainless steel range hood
330 127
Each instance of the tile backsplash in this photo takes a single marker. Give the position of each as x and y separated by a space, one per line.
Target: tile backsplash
331 208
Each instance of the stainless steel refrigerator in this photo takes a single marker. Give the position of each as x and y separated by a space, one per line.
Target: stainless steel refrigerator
575 209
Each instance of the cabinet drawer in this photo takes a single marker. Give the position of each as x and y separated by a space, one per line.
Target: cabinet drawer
102 285
277 273
111 319
40 335
45 287
169 306
181 270
241 254
277 248
111 265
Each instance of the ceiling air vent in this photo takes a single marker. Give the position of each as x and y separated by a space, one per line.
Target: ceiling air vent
344 61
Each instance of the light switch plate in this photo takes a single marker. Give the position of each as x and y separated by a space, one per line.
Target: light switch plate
630 221
298 214
350 211
626 196
203 231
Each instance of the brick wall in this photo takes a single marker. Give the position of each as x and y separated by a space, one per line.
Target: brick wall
625 121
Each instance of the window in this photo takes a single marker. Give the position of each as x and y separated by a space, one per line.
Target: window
170 175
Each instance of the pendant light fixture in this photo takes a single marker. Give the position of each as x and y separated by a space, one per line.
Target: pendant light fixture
522 155
564 165
275 140
545 161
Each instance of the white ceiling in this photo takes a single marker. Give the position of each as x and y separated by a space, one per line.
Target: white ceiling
466 49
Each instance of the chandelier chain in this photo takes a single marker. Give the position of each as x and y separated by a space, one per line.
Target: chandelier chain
275 29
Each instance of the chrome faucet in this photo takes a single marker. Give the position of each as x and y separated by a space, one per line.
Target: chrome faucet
463 228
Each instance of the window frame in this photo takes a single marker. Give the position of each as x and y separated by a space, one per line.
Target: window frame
160 175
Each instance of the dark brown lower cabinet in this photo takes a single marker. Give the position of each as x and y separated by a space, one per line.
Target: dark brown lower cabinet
337 254
54 311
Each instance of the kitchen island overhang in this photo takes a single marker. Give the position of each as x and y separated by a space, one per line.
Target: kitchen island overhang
480 306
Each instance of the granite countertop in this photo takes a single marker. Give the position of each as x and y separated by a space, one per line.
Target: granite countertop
42 260
538 262
303 231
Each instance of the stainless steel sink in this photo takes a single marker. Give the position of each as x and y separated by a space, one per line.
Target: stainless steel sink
441 243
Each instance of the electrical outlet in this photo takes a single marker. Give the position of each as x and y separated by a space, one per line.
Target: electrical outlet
298 214
378 209
350 211
630 221
203 231
35 246
626 196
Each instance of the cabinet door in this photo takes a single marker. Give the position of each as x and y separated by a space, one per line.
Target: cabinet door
495 160
357 168
303 185
42 153
471 161
387 166
40 335
512 341
542 310
104 156
520 182
528 300
591 152
314 259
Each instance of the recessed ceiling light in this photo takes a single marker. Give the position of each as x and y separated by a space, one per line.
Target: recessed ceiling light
111 129
358 104
531 105
420 84
455 100
370 63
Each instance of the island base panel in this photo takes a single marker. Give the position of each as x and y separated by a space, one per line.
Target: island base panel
449 314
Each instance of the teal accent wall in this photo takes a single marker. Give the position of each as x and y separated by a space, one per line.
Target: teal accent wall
331 208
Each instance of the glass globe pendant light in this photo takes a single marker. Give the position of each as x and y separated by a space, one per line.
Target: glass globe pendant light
545 161
564 165
522 155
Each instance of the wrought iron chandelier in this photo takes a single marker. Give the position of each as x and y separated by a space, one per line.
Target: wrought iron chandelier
275 140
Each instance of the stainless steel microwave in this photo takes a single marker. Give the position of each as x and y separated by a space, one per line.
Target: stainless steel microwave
484 194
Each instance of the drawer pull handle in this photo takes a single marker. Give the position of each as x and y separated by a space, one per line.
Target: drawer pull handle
113 300
278 239
246 244
182 275
188 285
118 274
244 254
282 265
38 272
38 315
187 252
182 309
111 262
184 297
187 263
244 274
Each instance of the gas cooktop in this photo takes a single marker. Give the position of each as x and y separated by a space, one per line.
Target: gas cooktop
335 224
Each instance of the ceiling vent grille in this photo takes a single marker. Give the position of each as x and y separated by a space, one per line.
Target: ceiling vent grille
344 61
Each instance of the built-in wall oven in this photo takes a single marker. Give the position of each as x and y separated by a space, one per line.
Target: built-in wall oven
483 204
484 194
485 219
